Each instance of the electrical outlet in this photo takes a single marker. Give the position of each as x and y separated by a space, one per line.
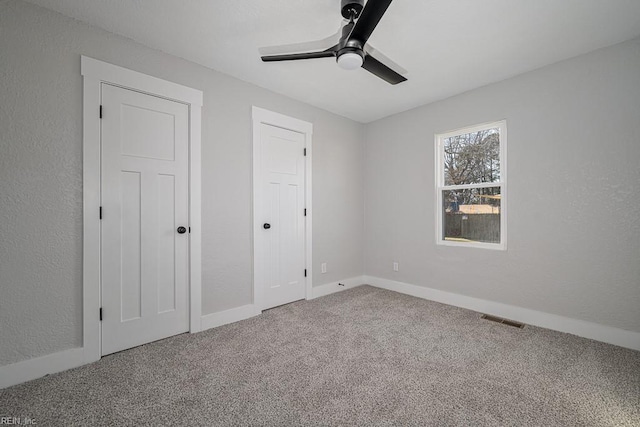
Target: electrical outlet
395 266
323 267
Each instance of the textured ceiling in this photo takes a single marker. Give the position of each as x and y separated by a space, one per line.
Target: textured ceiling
447 46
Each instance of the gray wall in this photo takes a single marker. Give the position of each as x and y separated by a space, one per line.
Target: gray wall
574 149
573 199
41 177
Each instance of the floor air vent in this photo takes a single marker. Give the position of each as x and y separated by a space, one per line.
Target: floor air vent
503 321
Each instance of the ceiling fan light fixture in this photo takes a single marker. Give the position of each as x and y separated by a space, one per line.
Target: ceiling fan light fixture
350 60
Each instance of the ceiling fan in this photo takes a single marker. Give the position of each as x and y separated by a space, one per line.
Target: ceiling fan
351 50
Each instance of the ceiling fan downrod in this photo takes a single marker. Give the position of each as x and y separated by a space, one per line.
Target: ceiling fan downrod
350 53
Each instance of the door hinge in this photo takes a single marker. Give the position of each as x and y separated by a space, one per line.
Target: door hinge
101 314
100 214
305 151
189 230
100 111
305 272
305 211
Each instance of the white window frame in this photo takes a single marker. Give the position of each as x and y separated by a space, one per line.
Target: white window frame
502 184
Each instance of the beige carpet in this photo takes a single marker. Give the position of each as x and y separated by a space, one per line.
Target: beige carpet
365 357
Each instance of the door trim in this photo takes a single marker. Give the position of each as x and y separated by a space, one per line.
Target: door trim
95 73
262 116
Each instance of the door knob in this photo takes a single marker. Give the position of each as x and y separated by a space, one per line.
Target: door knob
182 230
266 226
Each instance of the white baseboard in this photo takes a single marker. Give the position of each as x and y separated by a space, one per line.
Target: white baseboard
246 311
214 320
329 288
37 367
581 328
31 369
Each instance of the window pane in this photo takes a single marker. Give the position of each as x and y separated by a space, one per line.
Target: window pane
472 158
471 215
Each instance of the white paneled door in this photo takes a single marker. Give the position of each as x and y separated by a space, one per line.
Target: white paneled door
280 239
144 234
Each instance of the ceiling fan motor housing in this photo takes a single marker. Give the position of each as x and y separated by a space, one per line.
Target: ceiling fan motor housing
350 53
351 8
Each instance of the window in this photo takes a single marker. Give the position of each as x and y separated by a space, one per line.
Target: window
471 186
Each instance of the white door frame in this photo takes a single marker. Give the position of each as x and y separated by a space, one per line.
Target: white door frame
262 116
95 73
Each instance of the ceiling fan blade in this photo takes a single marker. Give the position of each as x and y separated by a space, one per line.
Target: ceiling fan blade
384 59
377 68
296 56
369 18
310 46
